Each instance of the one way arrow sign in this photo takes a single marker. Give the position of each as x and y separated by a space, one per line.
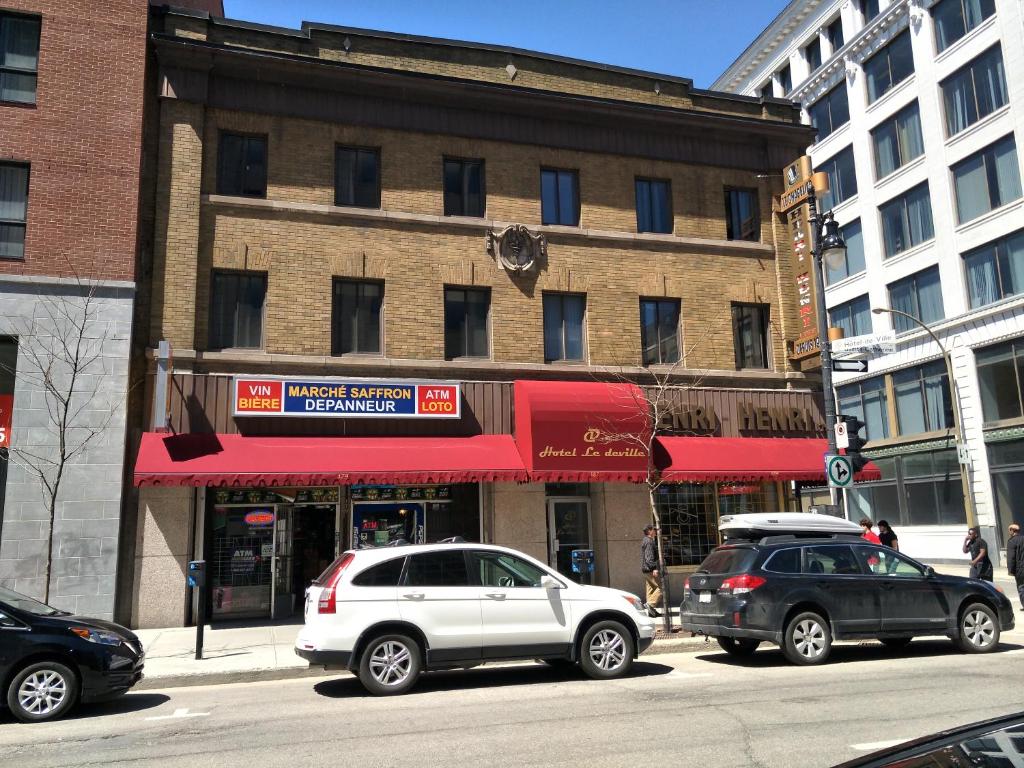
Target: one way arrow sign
850 366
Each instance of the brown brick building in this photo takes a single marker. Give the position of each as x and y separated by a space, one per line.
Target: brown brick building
349 209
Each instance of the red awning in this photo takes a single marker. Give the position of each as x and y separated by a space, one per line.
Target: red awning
238 460
731 459
576 432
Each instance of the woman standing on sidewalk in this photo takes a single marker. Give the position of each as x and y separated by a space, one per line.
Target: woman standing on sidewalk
887 536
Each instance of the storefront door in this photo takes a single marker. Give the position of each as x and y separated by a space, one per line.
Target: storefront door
568 529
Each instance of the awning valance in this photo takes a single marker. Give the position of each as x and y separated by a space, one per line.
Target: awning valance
238 460
571 431
731 459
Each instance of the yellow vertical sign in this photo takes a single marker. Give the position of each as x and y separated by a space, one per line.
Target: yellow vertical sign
794 206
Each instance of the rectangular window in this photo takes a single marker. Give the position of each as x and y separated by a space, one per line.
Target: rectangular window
659 331
854 261
466 313
842 179
742 215
357 177
869 8
767 90
785 80
236 310
919 295
830 112
19 57
653 206
559 197
13 210
907 220
813 54
355 317
955 18
868 402
995 271
834 32
1000 376
242 165
750 335
987 179
854 317
563 326
464 193
889 67
923 403
975 90
897 140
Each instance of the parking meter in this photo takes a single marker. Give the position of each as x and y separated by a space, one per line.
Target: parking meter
197 580
583 564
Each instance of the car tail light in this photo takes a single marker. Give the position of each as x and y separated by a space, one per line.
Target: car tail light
686 584
326 603
740 585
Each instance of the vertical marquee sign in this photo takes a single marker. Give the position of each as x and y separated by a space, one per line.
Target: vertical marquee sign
794 205
6 412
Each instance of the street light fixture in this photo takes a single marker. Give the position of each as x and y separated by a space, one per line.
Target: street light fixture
954 394
833 247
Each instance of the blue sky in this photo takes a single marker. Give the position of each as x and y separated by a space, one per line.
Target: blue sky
690 38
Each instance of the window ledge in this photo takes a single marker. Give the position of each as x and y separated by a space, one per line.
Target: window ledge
19 104
849 204
965 41
891 95
702 244
996 213
909 253
846 281
975 128
902 172
824 146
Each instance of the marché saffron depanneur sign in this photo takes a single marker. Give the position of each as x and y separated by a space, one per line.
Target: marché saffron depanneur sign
347 398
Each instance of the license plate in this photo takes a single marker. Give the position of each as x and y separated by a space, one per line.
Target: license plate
703 597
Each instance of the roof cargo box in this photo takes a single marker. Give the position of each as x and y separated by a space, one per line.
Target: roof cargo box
753 527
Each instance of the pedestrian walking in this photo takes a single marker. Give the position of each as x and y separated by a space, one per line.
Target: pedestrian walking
887 536
1015 559
649 565
867 533
981 565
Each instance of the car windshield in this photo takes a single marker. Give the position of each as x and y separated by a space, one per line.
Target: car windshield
728 560
29 605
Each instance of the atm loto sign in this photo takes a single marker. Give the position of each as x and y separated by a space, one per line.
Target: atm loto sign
347 398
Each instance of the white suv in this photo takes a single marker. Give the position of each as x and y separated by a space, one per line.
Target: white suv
387 614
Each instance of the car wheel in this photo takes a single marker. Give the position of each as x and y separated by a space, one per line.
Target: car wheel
895 643
607 650
978 629
807 639
390 665
738 646
45 690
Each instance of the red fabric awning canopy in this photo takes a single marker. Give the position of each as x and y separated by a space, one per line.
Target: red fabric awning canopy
729 459
571 431
238 460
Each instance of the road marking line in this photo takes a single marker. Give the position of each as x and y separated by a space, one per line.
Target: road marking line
180 712
871 746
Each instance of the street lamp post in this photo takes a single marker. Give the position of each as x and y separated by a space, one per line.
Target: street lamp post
955 396
828 247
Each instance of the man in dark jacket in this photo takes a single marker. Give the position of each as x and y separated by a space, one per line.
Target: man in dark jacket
649 565
977 547
1015 559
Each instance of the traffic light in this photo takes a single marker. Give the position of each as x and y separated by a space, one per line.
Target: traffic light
853 428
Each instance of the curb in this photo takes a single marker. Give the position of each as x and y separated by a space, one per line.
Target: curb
660 646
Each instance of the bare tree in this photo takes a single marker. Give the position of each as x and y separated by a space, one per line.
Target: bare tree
656 395
61 351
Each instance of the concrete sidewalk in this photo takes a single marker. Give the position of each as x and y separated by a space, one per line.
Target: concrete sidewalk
243 652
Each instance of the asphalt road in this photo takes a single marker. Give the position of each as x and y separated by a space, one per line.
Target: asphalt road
703 709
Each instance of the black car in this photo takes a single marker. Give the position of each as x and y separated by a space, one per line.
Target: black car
50 659
995 743
803 593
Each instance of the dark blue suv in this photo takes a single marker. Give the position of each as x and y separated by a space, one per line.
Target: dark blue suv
803 593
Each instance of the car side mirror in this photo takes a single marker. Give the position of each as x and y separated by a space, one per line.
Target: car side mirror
550 582
929 572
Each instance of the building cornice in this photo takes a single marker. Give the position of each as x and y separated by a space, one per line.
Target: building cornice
555 233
